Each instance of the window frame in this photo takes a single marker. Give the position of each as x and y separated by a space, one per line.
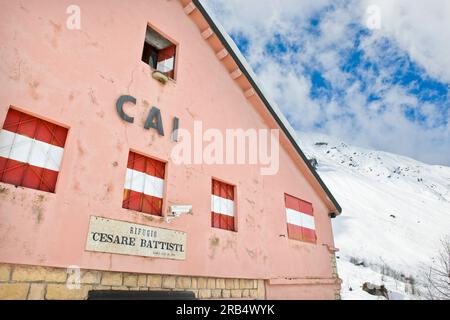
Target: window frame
169 39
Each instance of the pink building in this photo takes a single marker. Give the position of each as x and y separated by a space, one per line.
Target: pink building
91 195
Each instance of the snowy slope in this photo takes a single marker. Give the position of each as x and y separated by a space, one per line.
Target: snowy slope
395 211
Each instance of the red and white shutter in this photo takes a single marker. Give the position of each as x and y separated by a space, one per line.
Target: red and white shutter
31 151
300 219
222 206
144 184
166 61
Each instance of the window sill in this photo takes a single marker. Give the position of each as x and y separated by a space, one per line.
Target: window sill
301 241
145 216
224 231
160 77
152 70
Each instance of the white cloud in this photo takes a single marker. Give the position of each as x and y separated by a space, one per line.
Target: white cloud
420 30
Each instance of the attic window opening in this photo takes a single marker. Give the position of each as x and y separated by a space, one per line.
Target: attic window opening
159 53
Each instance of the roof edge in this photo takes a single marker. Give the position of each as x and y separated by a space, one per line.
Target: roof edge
286 127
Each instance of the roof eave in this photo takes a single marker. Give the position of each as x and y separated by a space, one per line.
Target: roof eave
280 122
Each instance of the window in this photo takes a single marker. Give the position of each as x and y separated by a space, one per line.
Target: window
300 219
222 206
31 151
159 53
144 184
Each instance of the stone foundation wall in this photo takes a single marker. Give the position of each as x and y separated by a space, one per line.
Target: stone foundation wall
337 293
21 282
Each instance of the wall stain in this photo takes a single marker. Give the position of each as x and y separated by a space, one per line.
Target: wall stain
17 72
251 253
214 241
37 212
33 86
109 188
193 116
250 220
251 202
229 245
106 78
76 186
24 8
42 259
90 42
119 146
213 245
4 191
148 218
56 32
80 148
37 207
56 26
92 97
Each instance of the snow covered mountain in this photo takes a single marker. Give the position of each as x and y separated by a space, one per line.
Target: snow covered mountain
395 212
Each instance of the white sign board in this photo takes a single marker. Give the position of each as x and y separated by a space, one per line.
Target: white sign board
113 236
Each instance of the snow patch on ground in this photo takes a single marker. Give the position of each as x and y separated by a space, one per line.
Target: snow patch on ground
395 212
355 276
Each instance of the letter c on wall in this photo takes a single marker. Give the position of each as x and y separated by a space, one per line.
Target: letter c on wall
119 107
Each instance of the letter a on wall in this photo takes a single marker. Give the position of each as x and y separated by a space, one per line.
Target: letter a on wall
154 121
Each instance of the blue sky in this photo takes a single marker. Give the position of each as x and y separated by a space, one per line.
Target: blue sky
332 70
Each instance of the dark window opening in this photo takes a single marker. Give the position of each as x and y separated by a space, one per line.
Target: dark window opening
159 53
140 295
150 55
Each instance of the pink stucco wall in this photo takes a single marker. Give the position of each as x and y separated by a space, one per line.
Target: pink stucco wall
74 78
